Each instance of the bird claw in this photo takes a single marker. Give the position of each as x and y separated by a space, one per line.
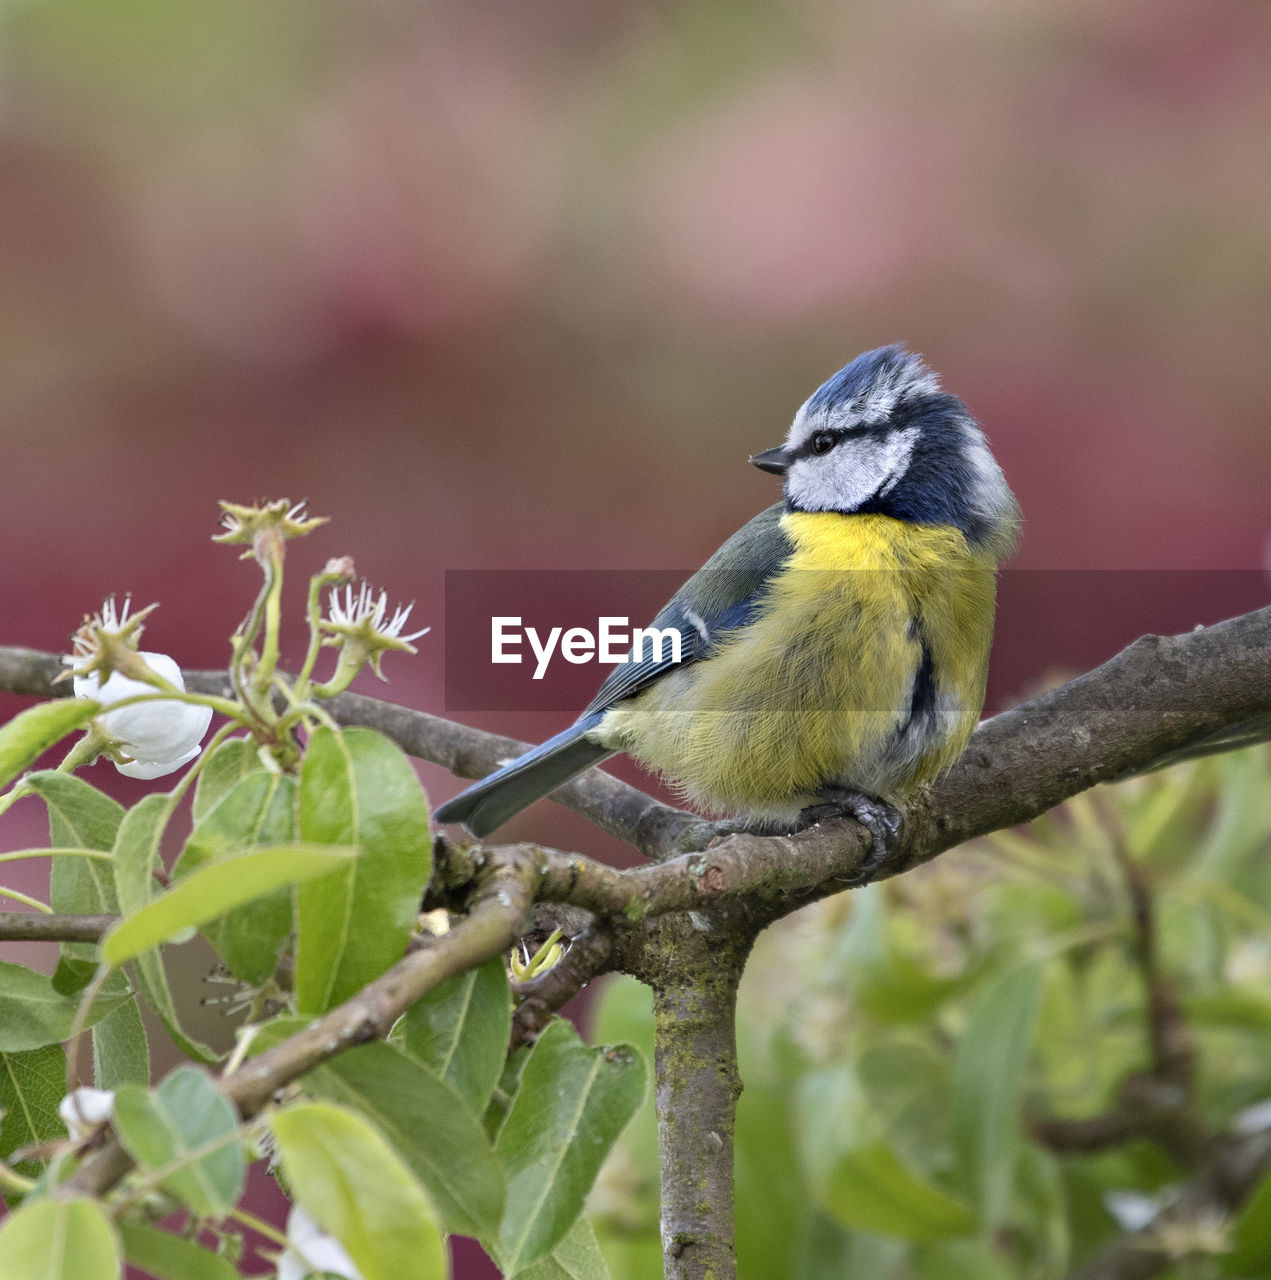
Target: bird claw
881 820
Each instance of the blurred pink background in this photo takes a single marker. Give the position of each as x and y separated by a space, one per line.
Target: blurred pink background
520 286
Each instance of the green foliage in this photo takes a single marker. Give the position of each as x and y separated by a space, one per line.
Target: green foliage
35 730
60 1240
460 1029
355 1185
896 1042
429 1125
571 1104
305 866
357 788
186 1134
31 1086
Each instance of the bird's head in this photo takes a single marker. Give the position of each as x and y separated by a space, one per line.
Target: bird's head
881 436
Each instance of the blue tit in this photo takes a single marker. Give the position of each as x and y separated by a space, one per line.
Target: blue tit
834 650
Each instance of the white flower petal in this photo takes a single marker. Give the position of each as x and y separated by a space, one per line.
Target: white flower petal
160 736
84 1109
320 1250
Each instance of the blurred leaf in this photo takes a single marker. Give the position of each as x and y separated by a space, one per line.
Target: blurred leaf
870 1190
357 788
1242 1007
354 1185
577 1257
60 1240
1243 822
34 730
121 1051
988 1076
460 1031
230 762
888 982
767 1179
166 1129
218 887
80 817
33 1014
31 1087
429 1126
171 1257
959 1259
571 1104
136 853
258 811
1251 1235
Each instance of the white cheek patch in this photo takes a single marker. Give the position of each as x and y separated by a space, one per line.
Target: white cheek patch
855 471
897 448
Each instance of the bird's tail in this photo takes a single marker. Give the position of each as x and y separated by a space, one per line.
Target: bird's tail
488 804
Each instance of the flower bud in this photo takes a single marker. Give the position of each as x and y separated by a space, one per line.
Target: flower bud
84 1109
159 736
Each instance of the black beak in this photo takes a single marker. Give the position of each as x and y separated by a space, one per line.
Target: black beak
772 460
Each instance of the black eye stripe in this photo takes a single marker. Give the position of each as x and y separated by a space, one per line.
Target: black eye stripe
838 435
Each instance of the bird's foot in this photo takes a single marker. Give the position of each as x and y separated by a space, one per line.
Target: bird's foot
880 819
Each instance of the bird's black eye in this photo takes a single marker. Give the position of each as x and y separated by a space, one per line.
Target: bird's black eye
823 442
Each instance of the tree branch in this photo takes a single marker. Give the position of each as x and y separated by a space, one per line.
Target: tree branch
498 915
35 926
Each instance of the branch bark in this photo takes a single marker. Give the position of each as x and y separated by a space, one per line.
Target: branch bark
35 926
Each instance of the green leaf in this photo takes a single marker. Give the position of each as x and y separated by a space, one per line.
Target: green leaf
889 982
460 1030
570 1106
60 1240
80 817
171 1257
121 1051
34 1014
34 730
854 1170
958 1259
988 1076
1241 1008
186 1129
577 1257
870 1189
357 788
31 1086
223 770
136 853
1251 1235
428 1124
355 1186
218 887
259 810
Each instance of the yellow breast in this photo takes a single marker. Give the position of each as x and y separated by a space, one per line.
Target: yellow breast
820 687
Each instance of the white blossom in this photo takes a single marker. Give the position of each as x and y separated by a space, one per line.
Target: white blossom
159 736
316 1251
84 1109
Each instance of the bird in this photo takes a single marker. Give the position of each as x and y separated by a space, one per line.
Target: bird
833 651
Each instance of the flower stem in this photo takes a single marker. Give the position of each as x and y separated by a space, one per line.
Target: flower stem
25 899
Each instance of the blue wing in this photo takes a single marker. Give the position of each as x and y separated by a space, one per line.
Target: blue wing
722 595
